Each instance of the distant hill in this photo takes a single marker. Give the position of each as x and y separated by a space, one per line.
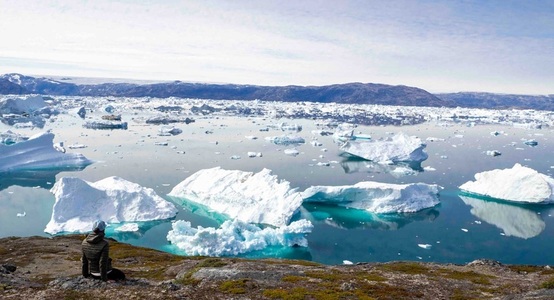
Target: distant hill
352 93
9 88
498 101
361 93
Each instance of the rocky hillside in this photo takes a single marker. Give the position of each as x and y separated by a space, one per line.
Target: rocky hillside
9 88
366 93
48 268
499 101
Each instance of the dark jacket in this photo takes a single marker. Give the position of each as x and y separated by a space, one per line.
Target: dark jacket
96 251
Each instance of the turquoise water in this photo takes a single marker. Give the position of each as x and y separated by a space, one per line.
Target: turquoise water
458 230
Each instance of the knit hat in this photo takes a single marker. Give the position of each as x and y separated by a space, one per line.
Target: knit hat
99 224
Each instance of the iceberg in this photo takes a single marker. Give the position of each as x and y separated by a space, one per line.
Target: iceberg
32 110
285 140
168 130
37 153
22 106
113 199
105 125
376 197
9 137
246 196
519 184
513 220
235 237
398 148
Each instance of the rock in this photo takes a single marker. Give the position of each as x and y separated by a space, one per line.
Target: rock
485 262
9 268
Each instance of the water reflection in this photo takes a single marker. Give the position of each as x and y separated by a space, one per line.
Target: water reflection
199 209
514 220
40 178
345 218
143 227
358 165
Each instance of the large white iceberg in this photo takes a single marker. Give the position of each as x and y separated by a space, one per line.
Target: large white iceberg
250 197
397 148
22 105
513 220
377 197
235 237
38 153
79 203
520 184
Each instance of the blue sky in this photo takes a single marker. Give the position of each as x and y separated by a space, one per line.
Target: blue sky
499 46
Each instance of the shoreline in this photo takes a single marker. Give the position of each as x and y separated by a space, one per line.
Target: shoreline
50 268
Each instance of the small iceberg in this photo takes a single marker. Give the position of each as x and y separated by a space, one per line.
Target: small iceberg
105 125
249 197
168 130
397 148
377 197
235 237
38 153
286 140
519 184
79 203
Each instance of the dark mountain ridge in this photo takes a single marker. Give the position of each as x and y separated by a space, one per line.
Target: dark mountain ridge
354 93
351 93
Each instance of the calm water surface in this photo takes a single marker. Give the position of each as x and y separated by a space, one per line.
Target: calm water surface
459 230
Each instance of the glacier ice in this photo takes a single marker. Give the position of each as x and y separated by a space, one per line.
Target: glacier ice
513 220
519 184
27 105
377 197
234 237
397 148
37 153
105 125
113 199
247 196
285 140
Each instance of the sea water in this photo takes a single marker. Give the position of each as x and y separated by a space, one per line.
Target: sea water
455 231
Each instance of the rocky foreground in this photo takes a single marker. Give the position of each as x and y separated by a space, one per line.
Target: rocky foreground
49 268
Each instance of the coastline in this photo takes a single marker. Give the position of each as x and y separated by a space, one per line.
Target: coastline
48 268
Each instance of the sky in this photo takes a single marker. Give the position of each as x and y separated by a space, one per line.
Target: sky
500 46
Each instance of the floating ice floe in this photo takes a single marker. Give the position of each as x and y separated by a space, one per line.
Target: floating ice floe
25 112
79 203
168 120
129 227
250 197
377 197
254 154
27 105
493 153
513 220
235 237
425 246
531 143
9 137
519 184
398 148
105 125
291 152
38 153
285 140
169 130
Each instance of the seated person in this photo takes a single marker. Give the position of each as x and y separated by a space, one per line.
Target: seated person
96 250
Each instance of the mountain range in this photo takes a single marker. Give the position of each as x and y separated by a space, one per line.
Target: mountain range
351 93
